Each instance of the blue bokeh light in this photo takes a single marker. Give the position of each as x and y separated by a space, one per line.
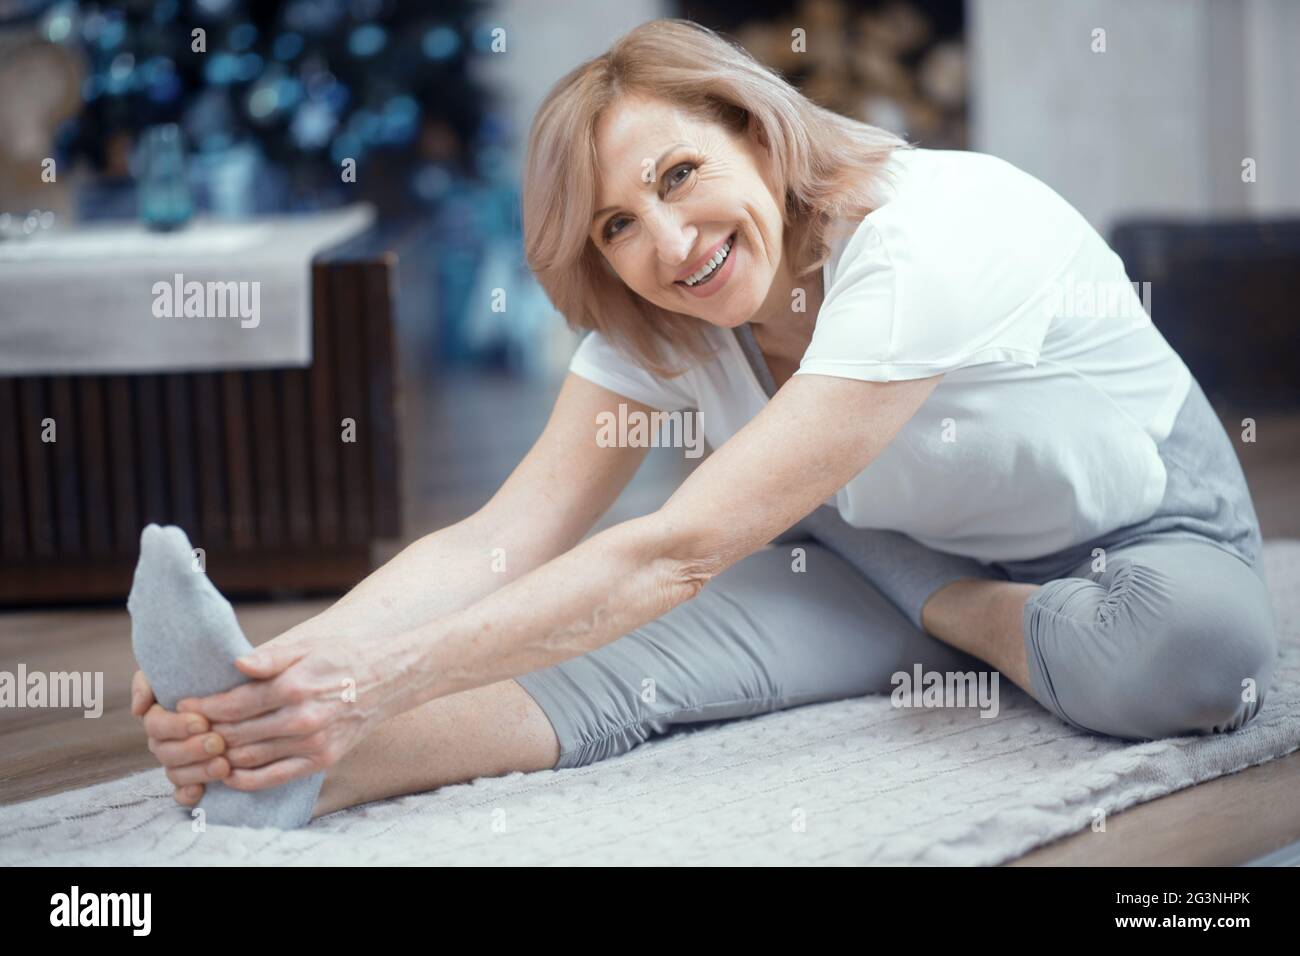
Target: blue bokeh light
159 80
112 32
249 67
367 40
347 146
164 11
431 182
242 36
399 120
313 124
287 46
221 68
120 74
440 43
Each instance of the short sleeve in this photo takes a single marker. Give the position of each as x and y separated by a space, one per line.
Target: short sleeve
907 304
598 360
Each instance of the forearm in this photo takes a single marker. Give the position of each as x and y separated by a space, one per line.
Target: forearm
593 594
436 575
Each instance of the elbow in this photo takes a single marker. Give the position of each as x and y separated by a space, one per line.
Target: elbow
687 577
682 559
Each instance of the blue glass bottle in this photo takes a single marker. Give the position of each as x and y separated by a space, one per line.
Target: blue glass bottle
165 201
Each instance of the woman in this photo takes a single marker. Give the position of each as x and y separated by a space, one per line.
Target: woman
996 459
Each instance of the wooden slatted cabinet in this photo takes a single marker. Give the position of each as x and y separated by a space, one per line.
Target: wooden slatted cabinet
251 463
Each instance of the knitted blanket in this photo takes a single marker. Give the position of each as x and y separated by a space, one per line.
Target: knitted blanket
849 782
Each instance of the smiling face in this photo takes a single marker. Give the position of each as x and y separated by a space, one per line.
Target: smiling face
677 195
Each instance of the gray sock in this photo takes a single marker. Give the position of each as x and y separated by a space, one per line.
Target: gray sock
186 639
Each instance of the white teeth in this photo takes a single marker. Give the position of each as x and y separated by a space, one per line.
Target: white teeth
719 257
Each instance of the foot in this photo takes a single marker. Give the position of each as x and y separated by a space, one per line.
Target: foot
186 639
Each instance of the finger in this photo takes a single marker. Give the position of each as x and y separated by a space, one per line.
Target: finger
188 796
141 694
268 751
272 775
296 721
239 703
199 772
162 724
181 753
269 660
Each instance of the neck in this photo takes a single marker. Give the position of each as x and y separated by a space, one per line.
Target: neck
779 330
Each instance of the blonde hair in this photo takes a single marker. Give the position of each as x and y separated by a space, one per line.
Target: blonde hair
828 164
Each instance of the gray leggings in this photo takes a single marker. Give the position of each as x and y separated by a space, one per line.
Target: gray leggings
1166 641
1167 631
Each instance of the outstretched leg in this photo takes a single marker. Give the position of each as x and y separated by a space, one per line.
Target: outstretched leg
482 732
778 629
788 625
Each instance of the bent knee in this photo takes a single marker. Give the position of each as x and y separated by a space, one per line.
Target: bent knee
1154 654
1211 667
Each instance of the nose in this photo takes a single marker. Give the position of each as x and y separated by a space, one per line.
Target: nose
672 240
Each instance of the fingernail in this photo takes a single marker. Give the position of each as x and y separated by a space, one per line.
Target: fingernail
195 726
214 768
254 660
213 744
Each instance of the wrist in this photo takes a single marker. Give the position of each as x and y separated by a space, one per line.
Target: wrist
411 675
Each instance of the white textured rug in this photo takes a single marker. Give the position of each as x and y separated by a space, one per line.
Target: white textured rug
849 782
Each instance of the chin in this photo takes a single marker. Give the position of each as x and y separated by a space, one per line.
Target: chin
724 321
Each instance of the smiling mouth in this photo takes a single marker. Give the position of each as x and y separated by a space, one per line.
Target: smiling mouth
730 246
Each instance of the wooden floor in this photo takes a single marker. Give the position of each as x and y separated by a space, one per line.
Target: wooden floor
462 437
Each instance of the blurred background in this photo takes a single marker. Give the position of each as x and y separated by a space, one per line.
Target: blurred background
137 134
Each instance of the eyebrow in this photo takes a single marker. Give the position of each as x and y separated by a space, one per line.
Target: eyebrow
658 162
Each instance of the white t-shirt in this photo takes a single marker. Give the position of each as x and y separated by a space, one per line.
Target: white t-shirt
1057 387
